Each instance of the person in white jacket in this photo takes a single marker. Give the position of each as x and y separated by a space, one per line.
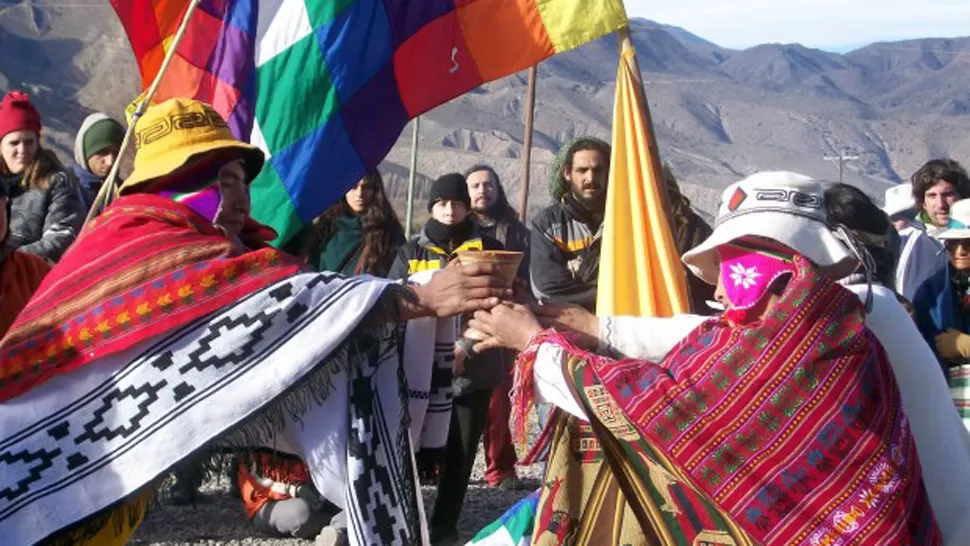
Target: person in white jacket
920 255
942 443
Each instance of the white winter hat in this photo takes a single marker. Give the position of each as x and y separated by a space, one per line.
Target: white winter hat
899 198
782 206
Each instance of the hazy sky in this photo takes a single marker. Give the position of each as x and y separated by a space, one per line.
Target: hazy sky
836 25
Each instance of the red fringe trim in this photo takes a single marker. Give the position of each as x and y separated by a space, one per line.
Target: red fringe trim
523 386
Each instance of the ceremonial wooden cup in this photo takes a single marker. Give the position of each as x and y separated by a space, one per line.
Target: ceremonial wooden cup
506 261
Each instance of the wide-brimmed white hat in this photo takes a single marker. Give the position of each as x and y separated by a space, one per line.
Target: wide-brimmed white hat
959 222
782 206
899 198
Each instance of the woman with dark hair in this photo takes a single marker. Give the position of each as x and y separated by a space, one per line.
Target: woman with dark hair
850 207
360 234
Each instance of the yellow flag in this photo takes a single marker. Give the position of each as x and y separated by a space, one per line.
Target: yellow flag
640 269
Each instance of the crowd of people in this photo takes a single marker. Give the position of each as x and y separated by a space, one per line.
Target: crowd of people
791 265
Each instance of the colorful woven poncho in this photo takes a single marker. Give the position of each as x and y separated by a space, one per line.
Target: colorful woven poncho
146 266
788 430
157 340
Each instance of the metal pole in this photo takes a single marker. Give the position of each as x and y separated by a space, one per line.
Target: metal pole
409 210
108 190
530 102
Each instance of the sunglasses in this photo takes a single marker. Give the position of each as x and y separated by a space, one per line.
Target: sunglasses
952 244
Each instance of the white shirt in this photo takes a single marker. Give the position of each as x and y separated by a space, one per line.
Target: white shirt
942 442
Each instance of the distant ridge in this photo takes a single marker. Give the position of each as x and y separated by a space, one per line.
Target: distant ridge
719 113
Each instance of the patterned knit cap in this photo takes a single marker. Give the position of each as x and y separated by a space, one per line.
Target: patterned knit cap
179 135
558 186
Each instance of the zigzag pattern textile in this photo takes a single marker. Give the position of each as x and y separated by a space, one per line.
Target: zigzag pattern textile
272 370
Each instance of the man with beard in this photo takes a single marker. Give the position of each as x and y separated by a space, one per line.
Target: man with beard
494 215
495 218
564 263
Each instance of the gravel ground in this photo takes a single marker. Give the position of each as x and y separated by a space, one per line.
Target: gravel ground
218 519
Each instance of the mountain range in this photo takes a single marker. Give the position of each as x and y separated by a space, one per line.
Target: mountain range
719 114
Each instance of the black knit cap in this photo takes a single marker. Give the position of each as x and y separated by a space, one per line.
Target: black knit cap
451 186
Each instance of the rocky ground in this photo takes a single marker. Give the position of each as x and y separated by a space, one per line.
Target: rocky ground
218 519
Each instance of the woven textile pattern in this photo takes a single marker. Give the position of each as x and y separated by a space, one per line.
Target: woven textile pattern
286 366
792 426
145 266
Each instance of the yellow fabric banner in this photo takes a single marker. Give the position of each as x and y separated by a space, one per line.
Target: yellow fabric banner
640 269
118 527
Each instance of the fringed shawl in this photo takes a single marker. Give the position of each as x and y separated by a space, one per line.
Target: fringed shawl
143 267
785 431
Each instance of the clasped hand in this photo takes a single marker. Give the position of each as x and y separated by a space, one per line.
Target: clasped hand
511 325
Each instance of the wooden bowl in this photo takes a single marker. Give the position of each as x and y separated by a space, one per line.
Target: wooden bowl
507 262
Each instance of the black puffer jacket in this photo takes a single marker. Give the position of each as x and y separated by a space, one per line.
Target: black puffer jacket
45 221
565 254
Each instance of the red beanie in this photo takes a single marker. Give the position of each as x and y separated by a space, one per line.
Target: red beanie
18 114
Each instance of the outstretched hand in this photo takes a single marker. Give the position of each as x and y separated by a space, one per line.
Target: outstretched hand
567 317
455 290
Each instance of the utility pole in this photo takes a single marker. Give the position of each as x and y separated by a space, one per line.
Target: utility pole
841 158
530 105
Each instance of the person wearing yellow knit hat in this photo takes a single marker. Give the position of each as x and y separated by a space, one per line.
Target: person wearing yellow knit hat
171 330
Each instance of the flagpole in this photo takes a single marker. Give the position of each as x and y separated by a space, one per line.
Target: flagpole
412 175
107 192
530 102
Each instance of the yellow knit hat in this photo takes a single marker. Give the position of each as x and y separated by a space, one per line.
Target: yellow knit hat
173 133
